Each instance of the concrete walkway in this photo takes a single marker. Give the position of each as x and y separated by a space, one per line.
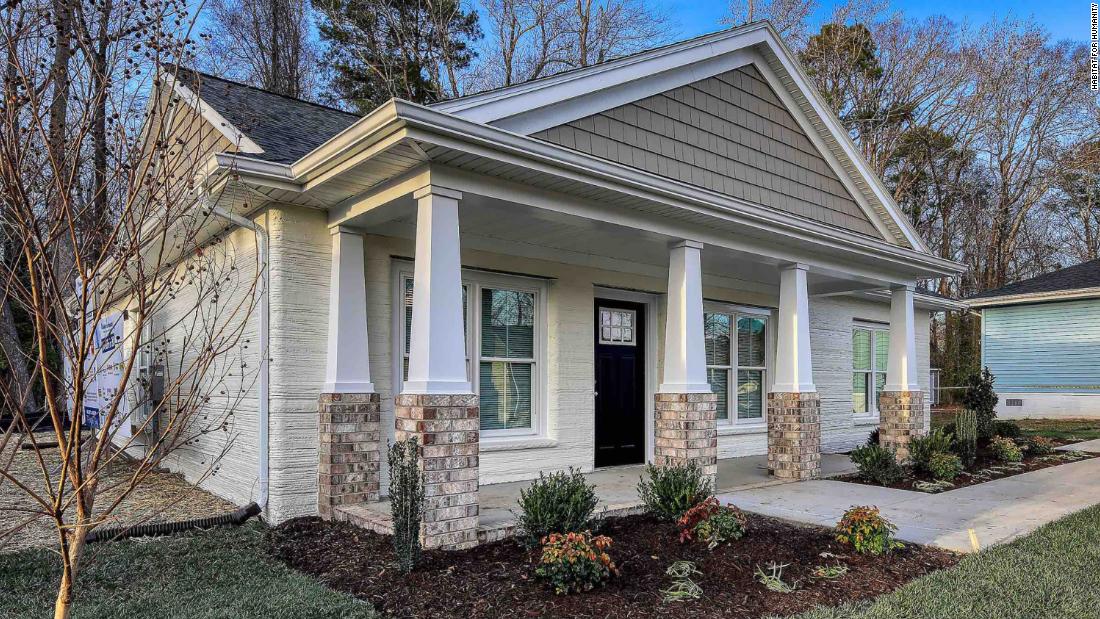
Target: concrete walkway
996 512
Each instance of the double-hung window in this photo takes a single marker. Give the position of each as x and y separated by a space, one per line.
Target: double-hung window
870 352
502 323
737 367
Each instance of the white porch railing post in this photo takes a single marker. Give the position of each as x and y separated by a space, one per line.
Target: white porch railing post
685 407
348 426
901 403
437 405
794 410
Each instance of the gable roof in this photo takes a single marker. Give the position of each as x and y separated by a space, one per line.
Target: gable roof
283 128
1078 281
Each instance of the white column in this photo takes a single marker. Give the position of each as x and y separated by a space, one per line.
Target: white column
901 369
437 346
793 366
685 364
348 368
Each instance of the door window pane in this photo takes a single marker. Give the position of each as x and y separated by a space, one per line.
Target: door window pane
750 341
507 324
750 390
716 333
505 390
719 384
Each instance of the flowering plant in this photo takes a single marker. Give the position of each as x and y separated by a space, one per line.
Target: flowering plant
575 562
712 524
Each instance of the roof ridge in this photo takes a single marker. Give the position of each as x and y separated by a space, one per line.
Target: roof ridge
258 89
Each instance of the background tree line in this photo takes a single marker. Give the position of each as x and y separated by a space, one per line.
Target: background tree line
987 135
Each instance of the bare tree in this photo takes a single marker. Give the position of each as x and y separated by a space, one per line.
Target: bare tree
118 258
265 43
789 17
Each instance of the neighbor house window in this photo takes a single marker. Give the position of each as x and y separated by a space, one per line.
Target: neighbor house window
736 350
870 352
503 346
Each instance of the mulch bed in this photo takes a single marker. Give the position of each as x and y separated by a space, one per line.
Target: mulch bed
986 468
497 579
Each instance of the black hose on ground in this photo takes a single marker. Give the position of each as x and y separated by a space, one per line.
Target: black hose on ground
110 534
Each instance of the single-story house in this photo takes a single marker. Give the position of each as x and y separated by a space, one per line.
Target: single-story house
1041 341
674 256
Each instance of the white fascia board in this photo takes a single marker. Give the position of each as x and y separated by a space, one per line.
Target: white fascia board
1037 297
494 105
242 142
921 300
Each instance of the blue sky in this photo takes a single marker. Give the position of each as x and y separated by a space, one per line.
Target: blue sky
1064 19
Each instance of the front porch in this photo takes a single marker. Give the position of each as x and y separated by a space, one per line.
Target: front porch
615 486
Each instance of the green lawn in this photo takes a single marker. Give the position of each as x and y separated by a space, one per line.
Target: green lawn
1063 429
218 573
1051 573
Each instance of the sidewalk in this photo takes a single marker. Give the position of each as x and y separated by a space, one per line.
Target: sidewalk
996 511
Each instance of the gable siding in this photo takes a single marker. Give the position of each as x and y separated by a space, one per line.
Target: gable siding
729 133
1049 347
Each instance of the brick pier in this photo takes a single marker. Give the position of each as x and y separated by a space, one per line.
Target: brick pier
794 435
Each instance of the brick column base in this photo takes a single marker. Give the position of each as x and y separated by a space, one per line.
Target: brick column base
794 435
349 450
686 431
448 428
901 417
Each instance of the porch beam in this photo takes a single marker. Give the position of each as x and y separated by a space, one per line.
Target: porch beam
348 362
437 347
685 363
794 368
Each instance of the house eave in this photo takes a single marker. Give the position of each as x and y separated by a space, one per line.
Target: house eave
1036 297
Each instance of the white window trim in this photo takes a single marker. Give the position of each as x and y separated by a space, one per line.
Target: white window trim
731 424
876 329
474 280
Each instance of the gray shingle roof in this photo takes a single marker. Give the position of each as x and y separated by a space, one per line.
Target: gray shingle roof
1084 275
285 127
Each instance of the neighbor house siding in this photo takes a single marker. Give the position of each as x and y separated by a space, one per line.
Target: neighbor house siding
1044 357
729 133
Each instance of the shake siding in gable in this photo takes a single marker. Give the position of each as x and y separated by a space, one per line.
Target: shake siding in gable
1049 347
729 133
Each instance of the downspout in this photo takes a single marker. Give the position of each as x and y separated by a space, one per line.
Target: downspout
263 430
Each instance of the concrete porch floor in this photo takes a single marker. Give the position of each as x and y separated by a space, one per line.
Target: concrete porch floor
616 488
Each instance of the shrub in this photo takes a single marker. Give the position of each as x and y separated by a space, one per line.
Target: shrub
1007 429
878 464
980 398
865 530
673 489
575 562
1006 449
944 466
713 524
966 436
872 438
406 501
556 503
1039 445
923 448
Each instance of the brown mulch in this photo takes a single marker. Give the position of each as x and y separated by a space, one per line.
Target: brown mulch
497 579
985 469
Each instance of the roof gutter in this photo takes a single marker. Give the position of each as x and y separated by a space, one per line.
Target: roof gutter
1035 297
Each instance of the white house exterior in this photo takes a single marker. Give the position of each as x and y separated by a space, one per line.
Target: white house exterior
674 256
1040 339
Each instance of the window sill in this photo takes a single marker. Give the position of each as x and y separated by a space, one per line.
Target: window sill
735 430
514 443
866 420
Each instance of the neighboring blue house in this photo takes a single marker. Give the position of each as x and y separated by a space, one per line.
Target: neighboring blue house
1041 340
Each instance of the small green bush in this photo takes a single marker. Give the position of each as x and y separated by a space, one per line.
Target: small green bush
966 437
1038 445
561 502
923 448
406 501
1006 449
864 529
944 466
673 489
1008 429
712 524
878 464
980 398
575 562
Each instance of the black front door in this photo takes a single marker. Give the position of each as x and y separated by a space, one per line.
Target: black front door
620 382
